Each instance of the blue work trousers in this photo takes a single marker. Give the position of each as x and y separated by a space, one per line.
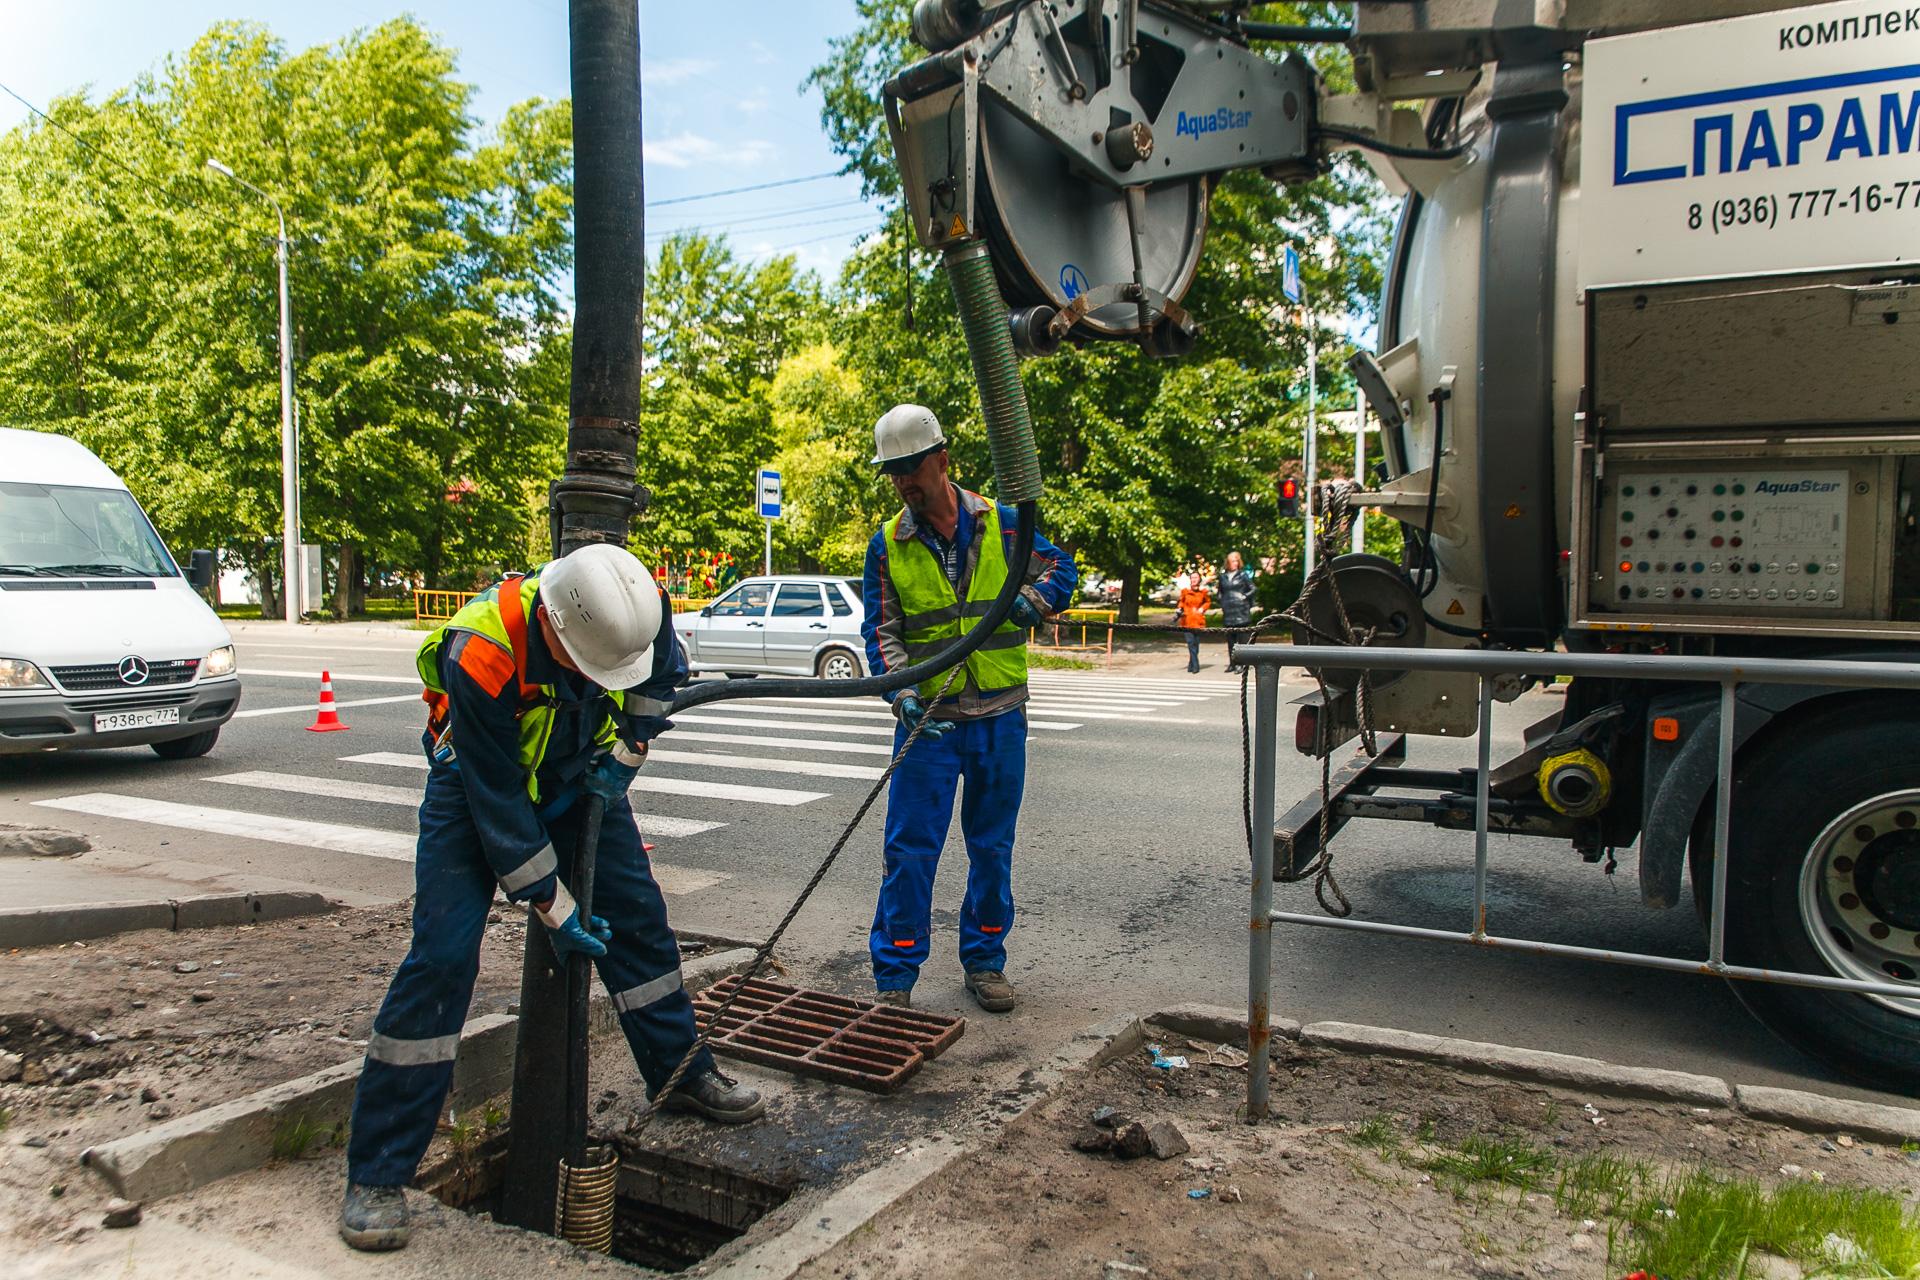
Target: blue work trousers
991 755
409 1063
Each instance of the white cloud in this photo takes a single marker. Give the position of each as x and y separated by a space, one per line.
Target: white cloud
761 54
684 150
675 70
754 103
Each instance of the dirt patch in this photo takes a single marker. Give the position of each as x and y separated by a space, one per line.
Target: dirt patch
1338 1184
103 1038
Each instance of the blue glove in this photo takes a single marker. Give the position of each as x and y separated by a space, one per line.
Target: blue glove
913 711
610 775
1024 615
564 930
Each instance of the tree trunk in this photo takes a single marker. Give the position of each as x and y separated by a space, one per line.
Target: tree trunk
343 576
357 584
1130 593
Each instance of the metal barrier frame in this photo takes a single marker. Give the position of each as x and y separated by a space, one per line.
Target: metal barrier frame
1082 618
1729 673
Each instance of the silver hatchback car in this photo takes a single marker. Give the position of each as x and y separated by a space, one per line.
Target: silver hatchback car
787 624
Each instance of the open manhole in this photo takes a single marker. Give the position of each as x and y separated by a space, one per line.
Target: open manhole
670 1211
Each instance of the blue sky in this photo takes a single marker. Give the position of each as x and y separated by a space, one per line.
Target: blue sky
722 106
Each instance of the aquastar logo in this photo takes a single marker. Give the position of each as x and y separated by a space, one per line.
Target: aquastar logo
1186 126
1773 488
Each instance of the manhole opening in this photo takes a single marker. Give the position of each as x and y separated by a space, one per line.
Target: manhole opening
670 1211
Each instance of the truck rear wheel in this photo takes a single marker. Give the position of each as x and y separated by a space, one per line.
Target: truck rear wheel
1826 879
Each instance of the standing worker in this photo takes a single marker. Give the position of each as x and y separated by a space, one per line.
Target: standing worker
523 721
1236 599
1193 618
932 572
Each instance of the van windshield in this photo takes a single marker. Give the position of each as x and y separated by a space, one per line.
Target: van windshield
55 530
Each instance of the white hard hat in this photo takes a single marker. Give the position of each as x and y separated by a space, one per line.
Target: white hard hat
606 609
903 431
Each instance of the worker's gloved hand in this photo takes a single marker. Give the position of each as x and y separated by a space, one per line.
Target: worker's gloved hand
564 930
612 772
912 711
1024 614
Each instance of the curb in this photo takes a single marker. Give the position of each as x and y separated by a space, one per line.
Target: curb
1818 1113
234 1137
47 926
1589 1074
824 1224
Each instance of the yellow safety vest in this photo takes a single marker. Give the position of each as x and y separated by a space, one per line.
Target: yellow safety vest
933 617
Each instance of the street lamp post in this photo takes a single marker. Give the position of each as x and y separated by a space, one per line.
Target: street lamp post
289 441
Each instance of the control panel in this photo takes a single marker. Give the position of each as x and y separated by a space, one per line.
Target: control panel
1762 540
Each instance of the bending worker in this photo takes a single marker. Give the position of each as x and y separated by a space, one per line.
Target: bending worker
544 689
932 572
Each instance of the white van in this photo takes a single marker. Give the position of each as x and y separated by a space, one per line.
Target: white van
102 642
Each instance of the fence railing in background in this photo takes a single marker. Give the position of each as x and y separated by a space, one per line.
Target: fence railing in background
438 606
1085 619
688 604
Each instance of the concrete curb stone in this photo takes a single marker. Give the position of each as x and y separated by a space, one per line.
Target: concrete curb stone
234 1137
49 926
1591 1075
1218 1023
1817 1113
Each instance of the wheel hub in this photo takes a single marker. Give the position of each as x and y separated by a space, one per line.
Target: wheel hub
1860 893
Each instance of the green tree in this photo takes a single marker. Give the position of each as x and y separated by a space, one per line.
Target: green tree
428 265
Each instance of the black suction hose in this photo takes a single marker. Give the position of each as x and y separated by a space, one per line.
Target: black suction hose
1016 471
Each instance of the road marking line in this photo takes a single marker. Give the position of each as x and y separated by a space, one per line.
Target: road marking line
394 845
323 648
413 680
764 764
308 706
409 797
799 744
873 730
660 786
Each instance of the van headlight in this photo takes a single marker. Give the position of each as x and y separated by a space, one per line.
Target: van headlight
219 662
18 673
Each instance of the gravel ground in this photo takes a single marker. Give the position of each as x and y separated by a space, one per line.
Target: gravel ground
1301 1196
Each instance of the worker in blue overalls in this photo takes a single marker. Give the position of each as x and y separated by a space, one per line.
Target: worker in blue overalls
932 573
544 689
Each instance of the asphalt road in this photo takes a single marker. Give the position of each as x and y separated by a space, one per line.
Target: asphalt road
1130 872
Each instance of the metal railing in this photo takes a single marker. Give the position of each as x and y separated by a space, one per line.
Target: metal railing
1082 618
1729 673
438 606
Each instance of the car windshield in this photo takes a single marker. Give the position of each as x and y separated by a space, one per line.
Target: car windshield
53 530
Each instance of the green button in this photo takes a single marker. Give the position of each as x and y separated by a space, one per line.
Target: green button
1719 488
1739 489
1626 517
1739 515
1719 515
1813 566
1626 491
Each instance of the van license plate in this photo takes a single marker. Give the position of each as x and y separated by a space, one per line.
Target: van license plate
114 721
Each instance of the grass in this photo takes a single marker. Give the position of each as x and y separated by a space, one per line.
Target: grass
1692 1223
6 1118
1038 657
298 1136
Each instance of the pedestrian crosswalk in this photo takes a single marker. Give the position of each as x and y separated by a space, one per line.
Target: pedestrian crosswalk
723 765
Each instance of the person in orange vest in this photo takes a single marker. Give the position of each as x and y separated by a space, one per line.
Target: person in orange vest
1194 602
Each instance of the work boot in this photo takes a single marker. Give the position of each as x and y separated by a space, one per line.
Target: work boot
717 1097
898 998
991 990
374 1219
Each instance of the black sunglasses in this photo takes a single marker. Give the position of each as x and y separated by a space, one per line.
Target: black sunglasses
908 465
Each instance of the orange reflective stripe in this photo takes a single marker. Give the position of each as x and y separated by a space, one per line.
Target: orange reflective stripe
513 616
486 663
903 943
993 928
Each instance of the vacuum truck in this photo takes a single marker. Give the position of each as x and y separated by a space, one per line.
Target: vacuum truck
1648 377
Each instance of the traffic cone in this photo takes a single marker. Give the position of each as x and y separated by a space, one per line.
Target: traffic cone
328 721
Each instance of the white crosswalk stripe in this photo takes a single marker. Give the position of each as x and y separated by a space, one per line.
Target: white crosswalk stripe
653 824
880 731
313 706
800 744
660 786
763 764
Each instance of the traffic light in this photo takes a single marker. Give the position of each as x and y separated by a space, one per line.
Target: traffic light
1289 498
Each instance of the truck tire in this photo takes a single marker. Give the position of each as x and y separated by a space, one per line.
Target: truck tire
188 748
1826 879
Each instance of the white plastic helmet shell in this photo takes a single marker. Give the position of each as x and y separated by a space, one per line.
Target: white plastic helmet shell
606 609
904 430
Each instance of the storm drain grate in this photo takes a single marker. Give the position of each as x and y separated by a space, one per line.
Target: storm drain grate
836 1038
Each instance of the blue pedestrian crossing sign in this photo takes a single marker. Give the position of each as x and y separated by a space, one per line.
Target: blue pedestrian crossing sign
767 494
1290 275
